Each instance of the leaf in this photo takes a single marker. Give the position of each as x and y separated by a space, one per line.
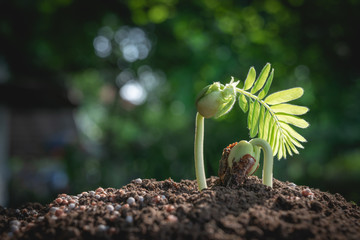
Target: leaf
255 119
266 88
289 109
226 108
261 121
250 114
250 78
271 118
243 103
267 126
284 96
292 132
261 78
296 121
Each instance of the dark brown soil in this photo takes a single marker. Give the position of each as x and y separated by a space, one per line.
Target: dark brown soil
168 210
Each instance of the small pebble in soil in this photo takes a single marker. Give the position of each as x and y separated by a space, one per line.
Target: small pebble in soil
102 228
141 198
157 199
58 200
14 225
163 197
110 208
117 207
138 181
129 219
72 205
97 196
292 185
169 208
171 218
307 193
92 193
130 200
53 209
59 212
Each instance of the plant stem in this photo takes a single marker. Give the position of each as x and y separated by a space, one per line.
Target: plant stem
268 160
198 152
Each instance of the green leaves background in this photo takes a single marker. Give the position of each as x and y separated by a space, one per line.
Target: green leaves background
270 116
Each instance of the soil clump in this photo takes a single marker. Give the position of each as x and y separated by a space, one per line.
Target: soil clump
150 209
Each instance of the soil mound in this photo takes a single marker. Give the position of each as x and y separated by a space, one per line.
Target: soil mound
150 209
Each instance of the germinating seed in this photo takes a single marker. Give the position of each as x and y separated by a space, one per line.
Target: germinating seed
130 200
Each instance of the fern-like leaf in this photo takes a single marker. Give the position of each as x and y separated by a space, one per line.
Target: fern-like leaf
270 117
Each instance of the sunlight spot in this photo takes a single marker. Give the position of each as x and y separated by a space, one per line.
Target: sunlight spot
133 92
102 46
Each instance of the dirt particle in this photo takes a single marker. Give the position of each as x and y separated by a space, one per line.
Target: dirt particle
171 218
129 219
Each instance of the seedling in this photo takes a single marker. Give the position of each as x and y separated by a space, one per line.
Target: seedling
269 118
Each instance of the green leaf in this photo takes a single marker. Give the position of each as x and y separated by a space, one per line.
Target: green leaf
255 119
292 132
289 109
296 121
250 78
261 78
267 126
226 108
251 113
266 88
261 121
284 96
243 103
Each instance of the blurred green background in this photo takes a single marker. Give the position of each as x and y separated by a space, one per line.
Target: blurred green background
129 72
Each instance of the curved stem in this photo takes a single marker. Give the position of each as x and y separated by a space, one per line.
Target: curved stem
198 152
268 160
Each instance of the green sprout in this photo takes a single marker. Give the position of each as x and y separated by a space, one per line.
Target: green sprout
269 118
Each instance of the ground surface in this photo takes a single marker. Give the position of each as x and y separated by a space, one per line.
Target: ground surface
149 209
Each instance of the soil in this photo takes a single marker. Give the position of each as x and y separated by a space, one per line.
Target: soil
150 209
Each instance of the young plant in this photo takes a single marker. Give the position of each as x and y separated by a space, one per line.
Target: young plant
269 118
